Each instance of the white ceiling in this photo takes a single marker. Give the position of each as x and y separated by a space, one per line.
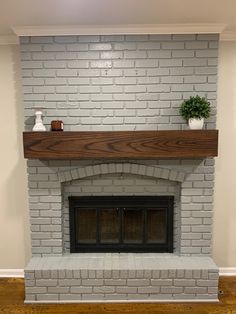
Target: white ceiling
17 13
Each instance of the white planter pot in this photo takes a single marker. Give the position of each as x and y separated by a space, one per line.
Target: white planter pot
196 124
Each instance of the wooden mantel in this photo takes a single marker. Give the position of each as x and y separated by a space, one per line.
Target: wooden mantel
121 144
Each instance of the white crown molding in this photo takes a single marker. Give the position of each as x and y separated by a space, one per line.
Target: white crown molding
119 29
11 273
9 40
227 271
228 36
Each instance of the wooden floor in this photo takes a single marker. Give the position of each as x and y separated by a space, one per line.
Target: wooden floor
12 301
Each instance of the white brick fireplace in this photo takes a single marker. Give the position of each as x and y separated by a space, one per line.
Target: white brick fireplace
119 83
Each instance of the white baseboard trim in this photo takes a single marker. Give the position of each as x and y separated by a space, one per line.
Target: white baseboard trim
227 271
11 273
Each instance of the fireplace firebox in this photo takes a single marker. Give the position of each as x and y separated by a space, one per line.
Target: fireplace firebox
121 223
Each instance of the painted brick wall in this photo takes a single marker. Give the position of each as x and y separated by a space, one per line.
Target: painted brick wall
46 178
117 82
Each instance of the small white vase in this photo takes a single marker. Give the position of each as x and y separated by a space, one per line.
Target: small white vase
39 127
196 124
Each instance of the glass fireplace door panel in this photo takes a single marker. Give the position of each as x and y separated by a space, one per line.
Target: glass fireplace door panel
156 226
133 226
109 225
86 220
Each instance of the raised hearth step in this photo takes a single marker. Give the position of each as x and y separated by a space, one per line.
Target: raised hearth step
121 277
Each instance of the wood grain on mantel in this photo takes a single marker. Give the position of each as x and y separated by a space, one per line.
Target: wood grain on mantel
121 144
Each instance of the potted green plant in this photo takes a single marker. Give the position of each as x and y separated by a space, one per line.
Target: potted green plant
194 110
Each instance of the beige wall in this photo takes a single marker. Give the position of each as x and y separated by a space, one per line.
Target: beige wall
224 248
14 225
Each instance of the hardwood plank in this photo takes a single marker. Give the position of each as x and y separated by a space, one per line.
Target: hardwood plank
121 145
12 301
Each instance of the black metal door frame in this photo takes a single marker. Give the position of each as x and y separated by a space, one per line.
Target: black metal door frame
122 203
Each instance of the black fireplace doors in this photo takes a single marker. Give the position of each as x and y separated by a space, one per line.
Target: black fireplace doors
121 223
